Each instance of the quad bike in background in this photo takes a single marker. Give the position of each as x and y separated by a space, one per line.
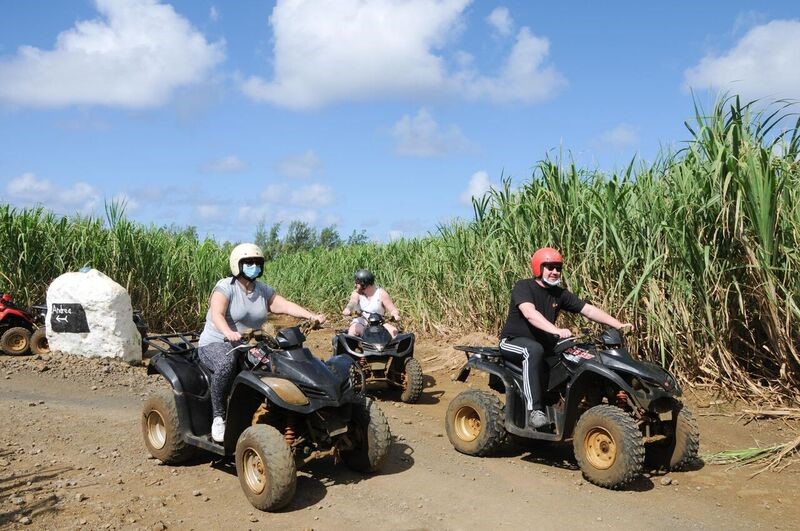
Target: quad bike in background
38 340
383 358
16 327
286 408
141 326
617 410
39 344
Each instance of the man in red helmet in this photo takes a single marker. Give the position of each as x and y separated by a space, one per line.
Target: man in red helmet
530 328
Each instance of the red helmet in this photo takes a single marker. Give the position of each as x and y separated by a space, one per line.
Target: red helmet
545 255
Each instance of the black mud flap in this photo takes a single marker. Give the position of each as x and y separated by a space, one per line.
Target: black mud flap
496 384
463 373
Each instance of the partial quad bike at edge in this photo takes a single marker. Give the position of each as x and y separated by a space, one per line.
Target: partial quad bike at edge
619 412
286 408
383 358
19 328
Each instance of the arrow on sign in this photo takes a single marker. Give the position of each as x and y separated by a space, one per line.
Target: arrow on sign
59 318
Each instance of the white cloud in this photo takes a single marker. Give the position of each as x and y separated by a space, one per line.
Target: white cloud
478 185
210 212
131 204
327 51
213 14
315 195
622 136
275 193
28 190
523 78
229 164
500 19
28 187
763 63
300 166
396 235
420 136
136 55
252 214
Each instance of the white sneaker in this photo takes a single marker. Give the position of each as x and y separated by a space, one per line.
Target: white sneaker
218 429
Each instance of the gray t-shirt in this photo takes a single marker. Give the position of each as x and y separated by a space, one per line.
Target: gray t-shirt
245 310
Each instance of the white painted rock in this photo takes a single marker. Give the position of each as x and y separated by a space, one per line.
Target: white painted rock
90 315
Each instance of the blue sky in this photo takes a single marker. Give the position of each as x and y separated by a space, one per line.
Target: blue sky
383 115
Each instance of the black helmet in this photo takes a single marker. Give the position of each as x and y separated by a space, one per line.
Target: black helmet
364 277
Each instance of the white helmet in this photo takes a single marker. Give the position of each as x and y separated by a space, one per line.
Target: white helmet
242 251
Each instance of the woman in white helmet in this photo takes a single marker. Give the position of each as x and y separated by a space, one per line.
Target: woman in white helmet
238 303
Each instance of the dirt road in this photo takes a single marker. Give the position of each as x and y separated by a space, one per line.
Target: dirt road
72 457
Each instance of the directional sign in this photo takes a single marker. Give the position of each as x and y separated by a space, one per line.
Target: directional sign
68 317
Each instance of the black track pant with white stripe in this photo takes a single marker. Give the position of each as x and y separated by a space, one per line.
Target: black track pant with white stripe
529 353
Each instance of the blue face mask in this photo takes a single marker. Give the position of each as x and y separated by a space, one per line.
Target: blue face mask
251 271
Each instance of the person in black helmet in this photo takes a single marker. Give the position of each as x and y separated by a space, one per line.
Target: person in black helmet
238 303
368 298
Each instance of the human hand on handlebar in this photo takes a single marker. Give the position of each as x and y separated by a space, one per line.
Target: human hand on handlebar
233 336
564 333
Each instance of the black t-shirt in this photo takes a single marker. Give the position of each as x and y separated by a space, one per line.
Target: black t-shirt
547 301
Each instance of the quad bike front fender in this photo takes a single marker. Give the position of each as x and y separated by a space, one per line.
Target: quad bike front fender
347 344
279 391
590 376
250 390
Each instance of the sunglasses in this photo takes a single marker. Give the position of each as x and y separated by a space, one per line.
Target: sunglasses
251 262
554 267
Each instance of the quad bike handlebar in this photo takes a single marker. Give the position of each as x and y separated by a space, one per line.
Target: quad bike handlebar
610 337
386 318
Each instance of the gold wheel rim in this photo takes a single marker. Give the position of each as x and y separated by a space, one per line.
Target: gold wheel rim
156 430
255 474
600 448
18 343
467 423
41 343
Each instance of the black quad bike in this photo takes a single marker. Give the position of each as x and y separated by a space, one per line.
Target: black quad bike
618 411
286 408
383 358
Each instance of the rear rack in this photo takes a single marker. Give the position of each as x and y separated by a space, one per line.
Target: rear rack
489 353
179 343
